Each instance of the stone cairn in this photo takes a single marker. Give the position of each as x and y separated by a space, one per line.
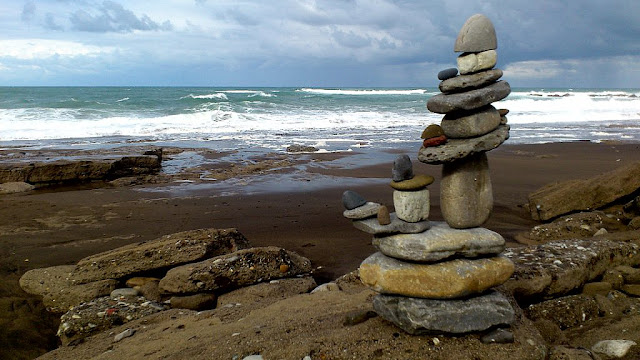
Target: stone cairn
437 277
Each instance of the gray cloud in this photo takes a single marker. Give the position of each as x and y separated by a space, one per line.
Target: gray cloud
50 22
113 17
28 11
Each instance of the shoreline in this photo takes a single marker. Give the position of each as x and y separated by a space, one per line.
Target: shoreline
60 226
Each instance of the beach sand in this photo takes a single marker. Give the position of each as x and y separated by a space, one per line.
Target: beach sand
54 227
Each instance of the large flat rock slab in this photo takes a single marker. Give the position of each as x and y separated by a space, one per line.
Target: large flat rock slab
560 267
583 195
58 292
456 149
441 242
167 251
469 100
444 280
230 271
73 171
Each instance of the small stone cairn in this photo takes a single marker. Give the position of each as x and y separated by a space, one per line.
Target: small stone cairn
437 277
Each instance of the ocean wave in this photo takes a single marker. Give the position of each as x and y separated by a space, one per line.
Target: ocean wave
363 91
123 99
219 95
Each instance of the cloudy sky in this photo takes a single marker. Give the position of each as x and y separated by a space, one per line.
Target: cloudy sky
330 43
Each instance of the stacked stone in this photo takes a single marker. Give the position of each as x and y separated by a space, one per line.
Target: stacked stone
471 124
440 279
431 278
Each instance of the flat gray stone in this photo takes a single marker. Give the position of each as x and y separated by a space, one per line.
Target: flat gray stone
396 226
456 149
465 125
469 100
466 195
457 316
362 212
441 242
477 34
470 81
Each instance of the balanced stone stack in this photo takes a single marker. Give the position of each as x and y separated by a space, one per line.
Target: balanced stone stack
439 279
431 278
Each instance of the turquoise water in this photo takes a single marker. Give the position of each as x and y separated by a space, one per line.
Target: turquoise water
273 118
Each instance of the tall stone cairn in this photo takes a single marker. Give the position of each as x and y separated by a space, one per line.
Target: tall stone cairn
434 276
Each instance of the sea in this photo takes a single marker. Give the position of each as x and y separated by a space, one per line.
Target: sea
270 119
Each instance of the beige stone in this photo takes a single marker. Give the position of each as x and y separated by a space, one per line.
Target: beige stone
470 124
466 196
444 280
412 206
469 63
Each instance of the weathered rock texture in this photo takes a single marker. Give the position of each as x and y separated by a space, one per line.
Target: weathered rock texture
456 149
167 251
58 292
560 267
65 171
469 100
440 242
241 268
470 81
458 316
466 125
582 195
477 34
444 280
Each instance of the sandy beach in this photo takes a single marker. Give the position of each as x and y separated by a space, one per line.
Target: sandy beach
59 226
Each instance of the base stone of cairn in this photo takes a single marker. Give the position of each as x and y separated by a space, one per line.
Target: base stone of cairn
437 277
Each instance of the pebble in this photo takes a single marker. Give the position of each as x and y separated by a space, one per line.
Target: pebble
503 120
372 226
365 211
124 292
471 124
432 131
383 216
466 195
498 336
503 112
330 286
197 302
470 81
417 183
125 334
351 200
402 168
443 280
613 348
447 73
470 63
631 289
253 357
356 317
412 206
477 34
140 281
453 316
433 142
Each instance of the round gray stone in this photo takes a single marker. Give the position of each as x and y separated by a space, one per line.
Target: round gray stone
469 100
402 168
441 242
352 200
465 125
456 149
470 81
447 73
477 34
466 196
458 316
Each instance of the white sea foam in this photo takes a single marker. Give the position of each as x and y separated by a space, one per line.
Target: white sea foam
362 91
123 99
207 96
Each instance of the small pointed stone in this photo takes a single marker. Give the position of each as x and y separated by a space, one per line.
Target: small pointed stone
402 168
477 34
503 112
384 218
352 200
447 73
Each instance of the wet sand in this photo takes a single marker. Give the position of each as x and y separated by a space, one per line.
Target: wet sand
296 207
